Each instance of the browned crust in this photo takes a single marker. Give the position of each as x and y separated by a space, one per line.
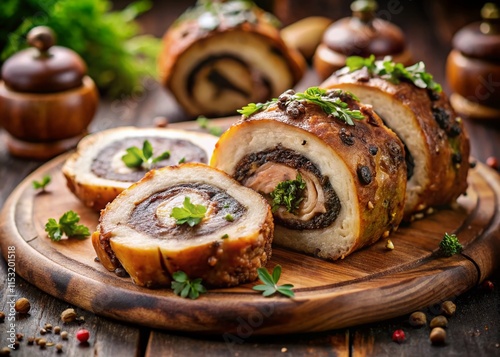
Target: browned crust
382 201
183 34
449 181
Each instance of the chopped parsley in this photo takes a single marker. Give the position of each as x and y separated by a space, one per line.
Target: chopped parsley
288 194
184 287
270 285
67 224
395 72
450 245
189 214
136 157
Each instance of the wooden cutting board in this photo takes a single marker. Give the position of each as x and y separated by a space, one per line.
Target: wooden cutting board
370 285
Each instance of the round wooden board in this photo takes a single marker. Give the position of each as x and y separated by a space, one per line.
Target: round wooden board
370 285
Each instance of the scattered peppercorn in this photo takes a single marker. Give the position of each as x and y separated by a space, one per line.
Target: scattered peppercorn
398 336
19 336
68 315
42 342
64 335
22 306
437 336
57 330
5 351
492 162
43 331
487 285
31 340
48 327
448 308
439 321
2 316
59 348
82 335
161 122
16 344
418 319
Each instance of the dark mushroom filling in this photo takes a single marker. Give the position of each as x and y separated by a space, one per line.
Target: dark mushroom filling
279 158
179 149
147 218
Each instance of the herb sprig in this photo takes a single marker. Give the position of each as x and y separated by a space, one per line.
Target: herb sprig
288 194
394 72
329 102
270 285
184 287
204 123
136 157
68 224
190 213
42 184
450 245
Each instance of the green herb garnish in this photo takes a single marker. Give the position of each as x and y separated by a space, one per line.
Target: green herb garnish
229 217
225 236
118 57
450 245
68 224
270 283
183 160
331 105
394 72
288 194
182 286
204 123
136 157
189 213
42 183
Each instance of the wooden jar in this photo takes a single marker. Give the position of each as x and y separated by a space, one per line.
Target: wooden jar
473 67
363 34
46 99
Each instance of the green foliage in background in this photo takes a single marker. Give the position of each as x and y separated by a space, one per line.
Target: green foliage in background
116 55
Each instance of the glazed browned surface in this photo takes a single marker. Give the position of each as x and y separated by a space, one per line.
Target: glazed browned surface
444 139
473 331
355 144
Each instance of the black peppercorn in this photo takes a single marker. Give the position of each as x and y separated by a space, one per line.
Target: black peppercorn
346 137
365 175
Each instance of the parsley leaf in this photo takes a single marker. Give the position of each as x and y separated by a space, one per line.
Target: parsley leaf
270 283
42 183
68 224
394 72
329 102
189 213
450 245
204 123
184 287
136 157
288 194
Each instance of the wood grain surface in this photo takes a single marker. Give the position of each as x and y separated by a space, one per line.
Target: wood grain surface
370 285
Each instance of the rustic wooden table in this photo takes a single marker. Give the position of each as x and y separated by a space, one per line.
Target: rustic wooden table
473 331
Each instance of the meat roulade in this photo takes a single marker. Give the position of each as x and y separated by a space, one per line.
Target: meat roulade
220 56
415 107
140 230
334 174
96 172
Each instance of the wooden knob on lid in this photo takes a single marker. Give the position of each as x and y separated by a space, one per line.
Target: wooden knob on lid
363 34
43 68
473 66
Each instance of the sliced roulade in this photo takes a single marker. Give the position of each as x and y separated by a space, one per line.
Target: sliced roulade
415 107
190 218
333 173
221 55
97 172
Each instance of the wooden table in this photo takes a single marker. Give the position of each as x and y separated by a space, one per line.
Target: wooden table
473 331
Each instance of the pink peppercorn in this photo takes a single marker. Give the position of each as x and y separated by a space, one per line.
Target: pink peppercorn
83 335
398 336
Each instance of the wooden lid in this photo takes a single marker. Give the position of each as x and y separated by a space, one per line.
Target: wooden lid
43 68
364 34
481 39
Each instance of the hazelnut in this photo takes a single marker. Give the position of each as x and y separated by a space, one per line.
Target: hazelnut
31 340
439 321
42 342
448 308
57 330
437 336
22 306
48 327
43 331
68 315
418 319
59 347
64 335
